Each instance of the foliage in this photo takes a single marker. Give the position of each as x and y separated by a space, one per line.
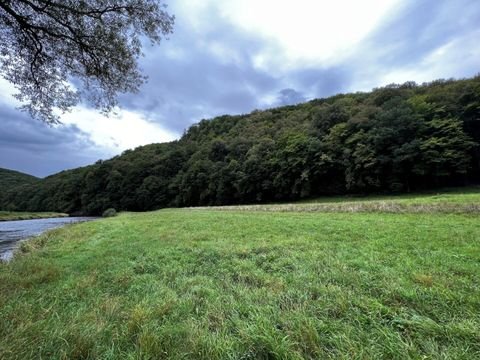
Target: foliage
201 284
45 44
110 212
400 138
10 179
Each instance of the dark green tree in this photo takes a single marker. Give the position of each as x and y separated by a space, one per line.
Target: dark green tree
399 138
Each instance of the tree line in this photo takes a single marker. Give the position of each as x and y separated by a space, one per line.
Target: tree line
397 138
10 179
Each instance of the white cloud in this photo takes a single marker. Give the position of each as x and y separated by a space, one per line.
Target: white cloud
112 134
307 32
118 132
224 53
6 93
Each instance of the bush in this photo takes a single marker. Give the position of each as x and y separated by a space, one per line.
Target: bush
109 212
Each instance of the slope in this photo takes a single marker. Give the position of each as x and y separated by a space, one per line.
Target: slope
396 139
11 178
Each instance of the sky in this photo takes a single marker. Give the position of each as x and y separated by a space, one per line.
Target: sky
236 56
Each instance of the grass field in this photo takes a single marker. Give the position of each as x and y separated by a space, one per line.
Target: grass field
12 215
245 284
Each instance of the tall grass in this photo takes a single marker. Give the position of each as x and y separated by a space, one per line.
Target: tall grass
353 207
204 284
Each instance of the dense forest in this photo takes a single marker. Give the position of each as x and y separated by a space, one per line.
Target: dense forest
10 179
398 138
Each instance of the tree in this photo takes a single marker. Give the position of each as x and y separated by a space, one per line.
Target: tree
56 52
445 148
343 144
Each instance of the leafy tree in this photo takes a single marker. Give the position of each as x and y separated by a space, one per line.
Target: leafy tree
329 115
445 148
296 160
399 138
57 51
256 184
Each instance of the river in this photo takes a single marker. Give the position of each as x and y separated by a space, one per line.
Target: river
12 232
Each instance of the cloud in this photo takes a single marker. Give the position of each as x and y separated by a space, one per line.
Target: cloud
210 68
411 46
411 35
202 74
236 56
117 132
305 33
289 97
29 146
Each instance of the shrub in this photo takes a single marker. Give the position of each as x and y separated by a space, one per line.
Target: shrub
109 212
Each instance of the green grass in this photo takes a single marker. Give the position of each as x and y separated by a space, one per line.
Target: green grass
446 195
205 284
13 215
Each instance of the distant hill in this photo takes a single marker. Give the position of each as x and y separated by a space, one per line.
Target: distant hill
10 179
398 138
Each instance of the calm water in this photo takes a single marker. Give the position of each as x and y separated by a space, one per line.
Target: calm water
12 232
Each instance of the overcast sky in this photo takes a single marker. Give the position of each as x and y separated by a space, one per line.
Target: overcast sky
235 56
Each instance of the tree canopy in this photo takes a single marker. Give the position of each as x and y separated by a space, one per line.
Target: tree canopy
56 52
10 179
399 138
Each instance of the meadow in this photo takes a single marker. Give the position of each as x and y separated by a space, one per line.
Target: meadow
266 282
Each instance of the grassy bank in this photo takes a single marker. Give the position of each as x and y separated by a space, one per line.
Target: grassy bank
241 284
12 215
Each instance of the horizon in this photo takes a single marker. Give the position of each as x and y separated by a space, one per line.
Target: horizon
228 59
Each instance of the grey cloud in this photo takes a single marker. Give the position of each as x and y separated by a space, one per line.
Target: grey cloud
417 29
30 146
323 82
289 97
202 84
189 81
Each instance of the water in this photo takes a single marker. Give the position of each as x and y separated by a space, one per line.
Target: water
12 232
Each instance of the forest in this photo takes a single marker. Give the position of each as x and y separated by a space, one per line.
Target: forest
10 179
394 139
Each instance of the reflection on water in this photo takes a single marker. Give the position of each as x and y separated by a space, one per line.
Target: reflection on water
11 232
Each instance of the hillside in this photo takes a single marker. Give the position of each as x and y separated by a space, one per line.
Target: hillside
399 138
10 179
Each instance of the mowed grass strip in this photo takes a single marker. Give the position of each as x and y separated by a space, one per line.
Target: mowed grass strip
183 284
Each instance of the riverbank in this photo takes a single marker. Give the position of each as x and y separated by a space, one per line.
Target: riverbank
15 233
213 284
13 215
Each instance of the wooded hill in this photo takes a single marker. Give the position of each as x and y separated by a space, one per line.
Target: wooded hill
398 138
10 179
